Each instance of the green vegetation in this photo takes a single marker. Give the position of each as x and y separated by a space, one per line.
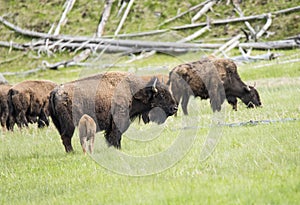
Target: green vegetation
251 164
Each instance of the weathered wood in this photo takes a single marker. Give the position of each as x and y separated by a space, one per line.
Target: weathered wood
104 17
185 12
265 27
235 20
228 43
134 44
283 44
204 9
146 33
124 17
68 7
195 35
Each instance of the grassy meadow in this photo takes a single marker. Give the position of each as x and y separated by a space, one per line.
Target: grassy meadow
252 158
251 163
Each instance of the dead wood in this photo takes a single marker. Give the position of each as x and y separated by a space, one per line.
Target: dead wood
204 9
68 7
124 17
183 13
104 17
235 20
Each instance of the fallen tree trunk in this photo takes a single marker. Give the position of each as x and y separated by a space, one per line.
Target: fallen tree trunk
235 20
283 44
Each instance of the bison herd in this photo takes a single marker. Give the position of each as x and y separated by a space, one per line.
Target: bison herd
110 101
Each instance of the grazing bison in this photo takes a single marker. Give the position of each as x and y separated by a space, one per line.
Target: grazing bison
87 131
28 103
212 78
112 99
4 112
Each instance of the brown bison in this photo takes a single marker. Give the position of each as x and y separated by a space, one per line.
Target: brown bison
28 103
112 99
212 78
87 131
4 112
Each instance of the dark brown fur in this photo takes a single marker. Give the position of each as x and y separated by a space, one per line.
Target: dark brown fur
112 99
4 111
212 78
87 131
28 103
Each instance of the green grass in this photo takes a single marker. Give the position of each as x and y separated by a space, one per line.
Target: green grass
254 164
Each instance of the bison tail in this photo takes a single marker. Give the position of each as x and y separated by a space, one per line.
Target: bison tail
52 110
10 122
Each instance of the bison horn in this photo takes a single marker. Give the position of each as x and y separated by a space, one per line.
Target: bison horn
154 86
254 84
248 88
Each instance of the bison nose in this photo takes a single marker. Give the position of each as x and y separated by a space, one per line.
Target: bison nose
173 109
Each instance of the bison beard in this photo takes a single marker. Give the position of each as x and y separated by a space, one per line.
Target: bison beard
112 99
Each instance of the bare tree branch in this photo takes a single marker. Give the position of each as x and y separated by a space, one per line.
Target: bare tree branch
104 17
234 20
183 13
124 17
68 7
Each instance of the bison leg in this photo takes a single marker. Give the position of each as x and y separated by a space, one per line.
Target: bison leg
113 136
66 140
91 144
43 119
184 103
233 102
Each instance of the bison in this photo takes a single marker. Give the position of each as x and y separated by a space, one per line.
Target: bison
214 78
4 112
112 99
87 131
28 103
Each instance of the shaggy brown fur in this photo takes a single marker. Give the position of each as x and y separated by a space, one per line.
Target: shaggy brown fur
87 131
161 77
212 78
4 112
112 99
28 103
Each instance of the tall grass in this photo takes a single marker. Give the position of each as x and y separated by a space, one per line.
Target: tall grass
252 164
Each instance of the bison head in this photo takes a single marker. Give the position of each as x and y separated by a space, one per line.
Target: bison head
251 97
160 102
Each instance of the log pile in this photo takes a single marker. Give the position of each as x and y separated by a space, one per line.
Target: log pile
50 43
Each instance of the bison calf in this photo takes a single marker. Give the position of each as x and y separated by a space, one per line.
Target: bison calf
212 78
87 131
